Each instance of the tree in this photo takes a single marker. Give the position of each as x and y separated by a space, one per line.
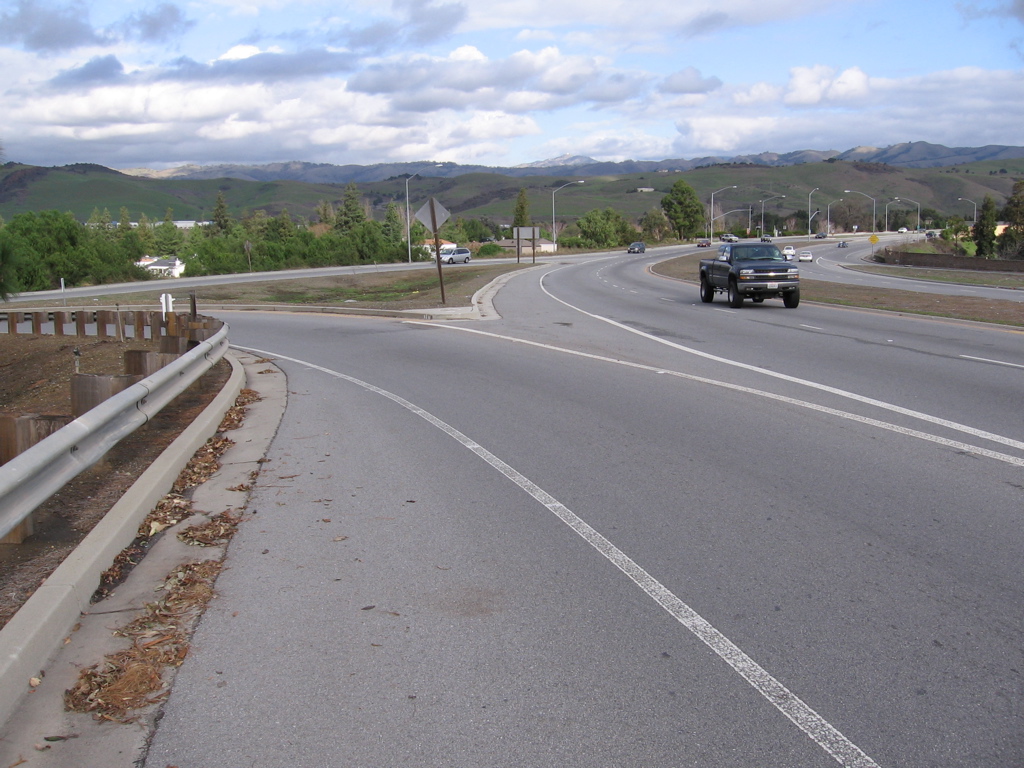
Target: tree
984 231
521 215
1011 241
684 210
168 237
605 228
394 225
654 225
325 212
221 219
351 213
8 269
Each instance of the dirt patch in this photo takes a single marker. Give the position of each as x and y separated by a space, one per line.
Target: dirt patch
35 378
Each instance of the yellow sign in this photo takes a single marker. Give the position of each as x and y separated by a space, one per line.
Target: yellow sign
873 239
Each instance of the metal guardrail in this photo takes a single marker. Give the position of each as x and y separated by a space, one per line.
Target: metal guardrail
27 480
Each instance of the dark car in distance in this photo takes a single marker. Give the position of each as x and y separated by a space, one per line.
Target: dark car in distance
636 248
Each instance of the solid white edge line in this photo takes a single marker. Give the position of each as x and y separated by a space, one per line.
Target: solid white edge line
907 431
994 362
793 379
819 730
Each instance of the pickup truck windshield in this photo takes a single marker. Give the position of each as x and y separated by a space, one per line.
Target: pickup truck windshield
757 253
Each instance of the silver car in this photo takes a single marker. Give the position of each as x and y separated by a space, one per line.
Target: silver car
461 255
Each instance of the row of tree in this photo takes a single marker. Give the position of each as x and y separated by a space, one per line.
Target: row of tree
40 251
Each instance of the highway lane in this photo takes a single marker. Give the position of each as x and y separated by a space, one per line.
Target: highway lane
836 494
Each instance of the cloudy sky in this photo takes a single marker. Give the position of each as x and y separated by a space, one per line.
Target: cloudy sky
160 83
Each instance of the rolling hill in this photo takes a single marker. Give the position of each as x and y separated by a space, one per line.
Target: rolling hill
915 171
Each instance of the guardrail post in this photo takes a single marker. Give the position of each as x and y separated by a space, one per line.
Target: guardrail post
80 321
13 318
59 319
18 434
38 318
89 390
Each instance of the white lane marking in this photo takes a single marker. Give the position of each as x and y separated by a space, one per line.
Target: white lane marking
867 421
980 433
994 362
812 327
823 733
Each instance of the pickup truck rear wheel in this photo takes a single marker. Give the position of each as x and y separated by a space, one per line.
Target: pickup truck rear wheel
735 297
707 293
791 299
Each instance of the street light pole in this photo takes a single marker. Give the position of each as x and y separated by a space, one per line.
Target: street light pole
972 203
907 199
762 210
894 200
828 216
711 216
874 217
408 219
809 217
554 234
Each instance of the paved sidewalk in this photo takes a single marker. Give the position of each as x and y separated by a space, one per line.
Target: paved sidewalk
41 734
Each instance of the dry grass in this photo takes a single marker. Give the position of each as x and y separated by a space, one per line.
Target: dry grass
959 307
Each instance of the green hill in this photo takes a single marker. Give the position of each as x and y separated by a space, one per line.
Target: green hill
81 189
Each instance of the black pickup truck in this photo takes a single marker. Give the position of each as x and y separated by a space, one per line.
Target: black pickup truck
757 271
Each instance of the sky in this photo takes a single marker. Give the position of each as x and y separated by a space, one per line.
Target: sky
162 83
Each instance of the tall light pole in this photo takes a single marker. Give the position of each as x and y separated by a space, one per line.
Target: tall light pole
874 218
975 207
894 200
809 217
711 216
907 199
762 210
408 219
554 234
828 216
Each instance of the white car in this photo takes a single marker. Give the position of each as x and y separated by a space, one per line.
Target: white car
805 256
459 254
789 252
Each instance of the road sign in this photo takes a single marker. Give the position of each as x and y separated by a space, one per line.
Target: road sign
432 220
873 239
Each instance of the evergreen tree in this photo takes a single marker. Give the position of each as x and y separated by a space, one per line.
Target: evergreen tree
684 210
984 231
393 228
167 236
8 269
221 218
325 213
521 215
351 213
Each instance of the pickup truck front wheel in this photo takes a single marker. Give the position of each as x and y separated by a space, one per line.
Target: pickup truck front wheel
707 293
791 299
735 297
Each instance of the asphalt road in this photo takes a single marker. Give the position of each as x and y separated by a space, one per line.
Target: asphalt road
618 527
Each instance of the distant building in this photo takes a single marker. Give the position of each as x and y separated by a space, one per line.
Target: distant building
162 267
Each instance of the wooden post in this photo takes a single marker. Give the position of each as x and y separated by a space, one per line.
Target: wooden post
80 321
38 318
89 390
59 319
18 434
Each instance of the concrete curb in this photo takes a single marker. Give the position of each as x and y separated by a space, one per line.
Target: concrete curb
36 632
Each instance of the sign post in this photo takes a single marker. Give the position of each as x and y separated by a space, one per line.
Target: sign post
432 215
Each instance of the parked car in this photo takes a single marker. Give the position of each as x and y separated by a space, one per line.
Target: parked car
703 243
458 255
805 256
636 248
789 252
843 244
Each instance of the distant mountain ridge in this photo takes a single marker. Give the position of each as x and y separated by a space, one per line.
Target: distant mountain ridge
916 154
